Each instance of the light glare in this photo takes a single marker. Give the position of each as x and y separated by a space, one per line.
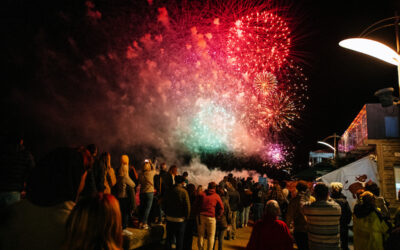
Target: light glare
372 48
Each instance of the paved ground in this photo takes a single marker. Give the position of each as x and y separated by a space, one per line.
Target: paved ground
239 243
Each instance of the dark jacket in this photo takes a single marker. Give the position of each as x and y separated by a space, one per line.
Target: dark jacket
168 181
164 182
90 188
258 196
234 199
225 219
345 218
15 164
176 203
245 197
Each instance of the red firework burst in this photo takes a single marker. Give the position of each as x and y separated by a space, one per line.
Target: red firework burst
258 42
265 83
281 110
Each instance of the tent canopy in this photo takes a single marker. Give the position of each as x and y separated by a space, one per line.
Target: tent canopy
353 177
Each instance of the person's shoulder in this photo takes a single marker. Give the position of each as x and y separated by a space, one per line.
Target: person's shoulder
181 190
334 204
339 200
281 223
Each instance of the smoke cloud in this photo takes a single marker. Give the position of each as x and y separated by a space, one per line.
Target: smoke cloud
140 80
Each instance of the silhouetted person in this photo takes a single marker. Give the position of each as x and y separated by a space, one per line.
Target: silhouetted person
177 211
380 202
16 163
90 186
125 185
270 233
38 222
345 217
146 180
225 220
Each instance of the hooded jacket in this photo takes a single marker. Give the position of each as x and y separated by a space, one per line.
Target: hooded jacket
370 229
210 204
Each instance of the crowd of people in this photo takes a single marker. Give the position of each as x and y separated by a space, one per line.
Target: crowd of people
73 198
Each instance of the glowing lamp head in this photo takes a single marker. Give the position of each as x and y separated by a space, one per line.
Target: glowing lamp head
372 48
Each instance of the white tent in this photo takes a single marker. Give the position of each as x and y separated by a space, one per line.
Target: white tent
352 176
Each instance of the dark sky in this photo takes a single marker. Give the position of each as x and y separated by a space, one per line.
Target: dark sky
340 81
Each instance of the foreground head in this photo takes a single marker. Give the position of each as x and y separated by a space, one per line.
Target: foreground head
147 165
372 187
179 180
59 176
92 149
301 186
124 160
272 209
368 198
321 191
336 187
212 185
95 223
173 170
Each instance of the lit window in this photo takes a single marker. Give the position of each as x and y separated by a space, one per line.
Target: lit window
391 126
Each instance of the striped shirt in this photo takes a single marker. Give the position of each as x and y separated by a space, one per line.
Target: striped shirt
323 224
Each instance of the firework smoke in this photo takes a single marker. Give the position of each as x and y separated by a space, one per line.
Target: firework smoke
181 77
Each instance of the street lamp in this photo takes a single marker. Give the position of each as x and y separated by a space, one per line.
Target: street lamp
334 147
328 145
377 49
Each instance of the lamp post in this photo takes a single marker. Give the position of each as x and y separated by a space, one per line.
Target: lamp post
334 147
375 48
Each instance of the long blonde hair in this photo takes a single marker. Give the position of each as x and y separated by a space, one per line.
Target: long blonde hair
95 223
124 160
124 168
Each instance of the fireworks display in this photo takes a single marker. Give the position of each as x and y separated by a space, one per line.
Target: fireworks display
196 76
277 154
258 41
266 83
224 75
210 128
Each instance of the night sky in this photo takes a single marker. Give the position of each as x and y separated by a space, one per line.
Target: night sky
340 81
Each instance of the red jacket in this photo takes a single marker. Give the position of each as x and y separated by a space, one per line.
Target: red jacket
210 204
270 233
